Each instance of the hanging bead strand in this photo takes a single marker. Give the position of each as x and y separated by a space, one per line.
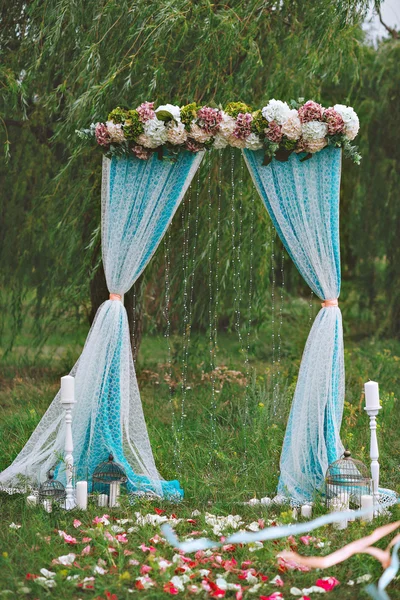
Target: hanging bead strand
211 328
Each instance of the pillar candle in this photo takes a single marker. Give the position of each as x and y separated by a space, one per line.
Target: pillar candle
102 500
47 506
371 389
367 502
81 494
31 500
114 494
67 388
306 511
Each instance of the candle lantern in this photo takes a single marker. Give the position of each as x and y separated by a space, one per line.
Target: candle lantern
346 481
107 473
52 490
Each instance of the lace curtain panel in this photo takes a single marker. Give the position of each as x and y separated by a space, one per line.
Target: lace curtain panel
139 199
302 199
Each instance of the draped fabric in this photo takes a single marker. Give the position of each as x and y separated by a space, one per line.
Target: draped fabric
302 199
139 199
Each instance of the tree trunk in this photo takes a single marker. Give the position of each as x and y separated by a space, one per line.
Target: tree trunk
133 301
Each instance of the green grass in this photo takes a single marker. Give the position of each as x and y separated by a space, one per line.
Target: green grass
209 462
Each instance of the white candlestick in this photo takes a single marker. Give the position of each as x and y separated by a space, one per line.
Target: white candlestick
371 389
31 500
82 494
367 502
47 506
102 500
306 511
67 401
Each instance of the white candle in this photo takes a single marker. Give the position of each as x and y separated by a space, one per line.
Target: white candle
367 502
102 500
266 500
114 494
31 500
306 511
47 506
81 494
371 389
295 513
67 388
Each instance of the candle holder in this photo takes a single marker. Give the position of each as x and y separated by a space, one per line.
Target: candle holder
374 454
68 401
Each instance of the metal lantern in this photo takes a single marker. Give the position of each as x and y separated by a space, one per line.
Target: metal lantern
51 489
105 473
346 481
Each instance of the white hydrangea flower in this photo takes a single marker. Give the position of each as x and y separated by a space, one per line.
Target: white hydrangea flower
350 118
314 130
198 134
277 111
176 133
115 131
253 142
171 108
155 134
227 125
220 142
291 128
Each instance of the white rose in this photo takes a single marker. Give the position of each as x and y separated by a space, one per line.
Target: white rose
277 111
314 130
176 133
115 131
227 125
154 134
171 108
350 118
220 142
198 134
253 142
236 142
292 126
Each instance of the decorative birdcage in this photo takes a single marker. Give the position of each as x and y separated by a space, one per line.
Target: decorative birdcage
105 473
346 481
51 489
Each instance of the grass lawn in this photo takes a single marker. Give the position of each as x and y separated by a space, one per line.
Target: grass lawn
219 462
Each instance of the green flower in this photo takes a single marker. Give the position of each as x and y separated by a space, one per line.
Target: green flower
133 126
258 124
188 113
118 115
234 108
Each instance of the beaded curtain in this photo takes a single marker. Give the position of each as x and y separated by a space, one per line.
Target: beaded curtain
139 199
302 199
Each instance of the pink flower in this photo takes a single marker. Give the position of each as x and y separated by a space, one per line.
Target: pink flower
108 536
210 118
310 111
85 540
86 550
334 121
121 538
274 596
274 132
169 588
77 523
193 146
68 539
144 569
278 581
145 548
146 112
133 562
141 152
327 583
104 520
102 136
306 539
242 126
285 565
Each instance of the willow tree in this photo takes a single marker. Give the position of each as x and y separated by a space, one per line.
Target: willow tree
67 63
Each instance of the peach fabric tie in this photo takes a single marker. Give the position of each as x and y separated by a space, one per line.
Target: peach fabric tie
328 303
116 297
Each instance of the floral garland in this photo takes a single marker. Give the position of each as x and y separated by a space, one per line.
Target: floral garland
279 128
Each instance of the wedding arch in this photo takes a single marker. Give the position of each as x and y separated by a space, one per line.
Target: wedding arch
293 154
